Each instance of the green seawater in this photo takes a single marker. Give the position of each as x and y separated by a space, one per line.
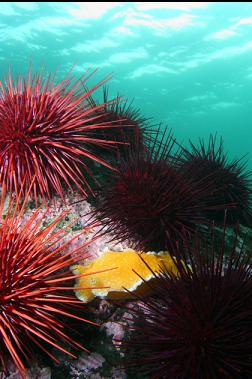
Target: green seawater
186 64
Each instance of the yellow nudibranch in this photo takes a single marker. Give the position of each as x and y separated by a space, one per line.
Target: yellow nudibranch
113 274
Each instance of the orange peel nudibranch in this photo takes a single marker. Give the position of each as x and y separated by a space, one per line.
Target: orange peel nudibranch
121 275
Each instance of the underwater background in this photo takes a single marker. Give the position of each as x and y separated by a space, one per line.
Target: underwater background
125 262
186 64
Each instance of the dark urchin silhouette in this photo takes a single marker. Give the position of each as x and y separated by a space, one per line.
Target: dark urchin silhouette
199 323
231 180
149 202
127 125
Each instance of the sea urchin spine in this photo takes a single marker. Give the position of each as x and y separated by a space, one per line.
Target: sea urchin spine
231 181
127 123
199 322
149 202
36 286
43 133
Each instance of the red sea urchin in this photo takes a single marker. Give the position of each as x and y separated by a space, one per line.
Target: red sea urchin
148 201
199 323
43 133
231 181
36 287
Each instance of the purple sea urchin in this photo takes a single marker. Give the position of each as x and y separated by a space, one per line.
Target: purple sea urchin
231 181
44 133
149 202
199 323
127 124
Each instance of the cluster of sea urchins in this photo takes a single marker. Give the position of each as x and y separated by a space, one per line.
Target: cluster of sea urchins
159 195
150 201
36 286
44 133
198 323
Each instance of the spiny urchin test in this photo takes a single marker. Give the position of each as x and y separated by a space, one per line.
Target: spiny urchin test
230 178
131 127
199 322
36 286
149 202
43 133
